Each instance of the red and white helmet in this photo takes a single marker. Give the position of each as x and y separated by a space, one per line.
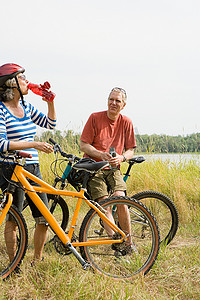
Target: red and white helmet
9 71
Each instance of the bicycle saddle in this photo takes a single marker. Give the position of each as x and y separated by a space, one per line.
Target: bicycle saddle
137 159
90 165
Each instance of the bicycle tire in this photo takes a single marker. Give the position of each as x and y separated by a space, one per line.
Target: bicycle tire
144 233
58 207
7 266
165 212
59 204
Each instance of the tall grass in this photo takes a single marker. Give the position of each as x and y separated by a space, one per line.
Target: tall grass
176 273
179 181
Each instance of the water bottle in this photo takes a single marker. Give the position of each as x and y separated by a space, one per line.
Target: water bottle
42 90
112 151
113 154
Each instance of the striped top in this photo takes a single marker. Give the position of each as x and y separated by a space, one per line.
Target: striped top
22 129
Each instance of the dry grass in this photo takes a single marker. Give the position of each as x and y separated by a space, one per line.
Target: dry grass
175 275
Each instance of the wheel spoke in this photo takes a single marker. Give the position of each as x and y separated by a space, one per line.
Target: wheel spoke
120 260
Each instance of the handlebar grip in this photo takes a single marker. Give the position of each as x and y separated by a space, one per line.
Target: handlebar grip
65 154
24 154
52 141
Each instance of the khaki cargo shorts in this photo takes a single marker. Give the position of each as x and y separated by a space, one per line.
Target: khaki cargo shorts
105 182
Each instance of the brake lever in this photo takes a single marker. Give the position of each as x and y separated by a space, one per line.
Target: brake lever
57 148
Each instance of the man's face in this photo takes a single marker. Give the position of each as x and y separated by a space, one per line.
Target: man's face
115 103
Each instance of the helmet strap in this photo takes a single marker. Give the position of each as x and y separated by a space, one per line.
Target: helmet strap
18 87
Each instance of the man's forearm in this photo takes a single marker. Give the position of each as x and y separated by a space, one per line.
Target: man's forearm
128 154
90 150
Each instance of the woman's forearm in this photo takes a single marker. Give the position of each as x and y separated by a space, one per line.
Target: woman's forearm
41 146
51 111
21 145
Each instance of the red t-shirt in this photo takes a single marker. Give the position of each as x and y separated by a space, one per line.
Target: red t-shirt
103 133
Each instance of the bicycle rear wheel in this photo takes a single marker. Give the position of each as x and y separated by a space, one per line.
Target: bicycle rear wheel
59 209
116 261
7 266
165 212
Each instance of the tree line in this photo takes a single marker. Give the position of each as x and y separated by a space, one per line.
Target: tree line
70 141
168 144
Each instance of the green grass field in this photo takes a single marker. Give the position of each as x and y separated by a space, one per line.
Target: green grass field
176 273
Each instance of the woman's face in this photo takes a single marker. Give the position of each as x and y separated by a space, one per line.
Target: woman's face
23 82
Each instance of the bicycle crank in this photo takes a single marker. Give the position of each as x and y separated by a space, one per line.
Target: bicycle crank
60 247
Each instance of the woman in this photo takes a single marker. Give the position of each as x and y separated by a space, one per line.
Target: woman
18 120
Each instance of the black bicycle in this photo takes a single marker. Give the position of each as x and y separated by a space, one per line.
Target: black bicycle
162 207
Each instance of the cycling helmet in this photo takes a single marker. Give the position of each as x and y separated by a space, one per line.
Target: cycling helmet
9 71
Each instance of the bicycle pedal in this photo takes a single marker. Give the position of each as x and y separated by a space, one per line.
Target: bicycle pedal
117 254
86 266
98 232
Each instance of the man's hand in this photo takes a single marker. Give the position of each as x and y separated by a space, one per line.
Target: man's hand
115 161
105 156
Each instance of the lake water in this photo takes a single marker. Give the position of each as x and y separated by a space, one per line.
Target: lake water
175 158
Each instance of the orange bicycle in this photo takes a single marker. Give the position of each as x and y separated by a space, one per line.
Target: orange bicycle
107 254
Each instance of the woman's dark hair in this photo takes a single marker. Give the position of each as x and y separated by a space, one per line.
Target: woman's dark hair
8 80
6 92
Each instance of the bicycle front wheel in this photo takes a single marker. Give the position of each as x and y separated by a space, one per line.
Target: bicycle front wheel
12 253
117 260
165 212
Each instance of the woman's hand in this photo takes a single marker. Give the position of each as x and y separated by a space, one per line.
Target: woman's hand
45 100
44 147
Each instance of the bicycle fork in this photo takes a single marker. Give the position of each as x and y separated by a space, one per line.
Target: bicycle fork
5 206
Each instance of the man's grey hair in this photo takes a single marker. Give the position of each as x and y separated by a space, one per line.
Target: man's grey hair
120 90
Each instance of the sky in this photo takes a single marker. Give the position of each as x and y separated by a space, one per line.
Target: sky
85 48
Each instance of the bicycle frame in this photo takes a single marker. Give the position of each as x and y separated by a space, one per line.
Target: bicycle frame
69 167
20 175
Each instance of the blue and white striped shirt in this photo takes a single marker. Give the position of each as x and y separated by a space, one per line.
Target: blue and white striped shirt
22 129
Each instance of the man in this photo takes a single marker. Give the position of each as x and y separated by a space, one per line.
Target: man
104 130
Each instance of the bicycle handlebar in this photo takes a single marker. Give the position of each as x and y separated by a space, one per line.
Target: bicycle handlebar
23 154
57 148
16 154
52 141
